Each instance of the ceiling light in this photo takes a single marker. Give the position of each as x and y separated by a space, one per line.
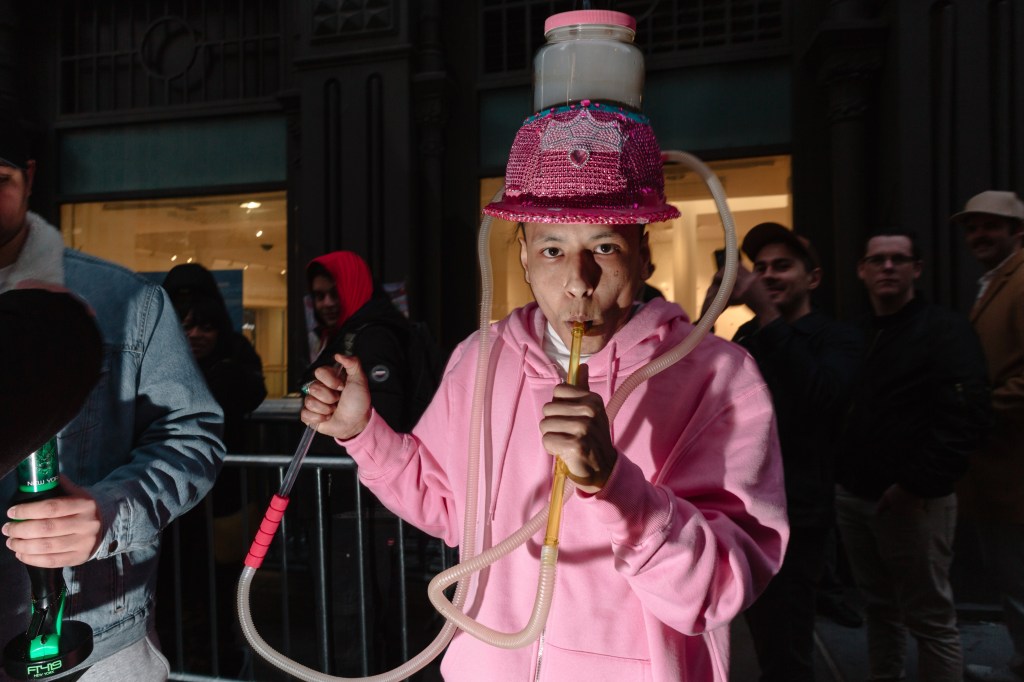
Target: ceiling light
283 271
189 260
174 258
259 233
250 205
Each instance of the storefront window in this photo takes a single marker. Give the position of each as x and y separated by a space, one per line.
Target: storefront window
241 238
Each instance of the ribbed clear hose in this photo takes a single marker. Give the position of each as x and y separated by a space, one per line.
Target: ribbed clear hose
720 302
470 564
299 671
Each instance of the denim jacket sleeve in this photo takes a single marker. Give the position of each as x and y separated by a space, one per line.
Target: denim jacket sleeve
150 447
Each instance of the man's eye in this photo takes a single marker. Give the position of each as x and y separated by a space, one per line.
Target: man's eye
551 252
759 268
605 249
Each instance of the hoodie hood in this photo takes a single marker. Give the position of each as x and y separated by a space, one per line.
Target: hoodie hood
352 280
191 279
193 289
630 348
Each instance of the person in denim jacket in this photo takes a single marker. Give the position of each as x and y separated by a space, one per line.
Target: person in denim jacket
144 449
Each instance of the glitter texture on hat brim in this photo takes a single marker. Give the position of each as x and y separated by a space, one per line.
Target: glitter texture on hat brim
584 164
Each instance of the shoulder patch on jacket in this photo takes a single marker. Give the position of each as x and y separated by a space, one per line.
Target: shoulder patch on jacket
379 373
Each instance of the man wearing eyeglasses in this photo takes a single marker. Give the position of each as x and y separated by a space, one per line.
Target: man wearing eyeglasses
920 408
992 492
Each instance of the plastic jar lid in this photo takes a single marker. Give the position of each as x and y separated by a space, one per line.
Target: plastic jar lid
589 16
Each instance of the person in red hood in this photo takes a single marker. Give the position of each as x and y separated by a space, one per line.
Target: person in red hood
355 317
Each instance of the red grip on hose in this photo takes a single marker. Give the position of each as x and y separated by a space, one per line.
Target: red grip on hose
271 520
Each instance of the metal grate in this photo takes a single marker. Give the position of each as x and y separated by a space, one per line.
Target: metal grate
121 55
316 598
343 19
513 30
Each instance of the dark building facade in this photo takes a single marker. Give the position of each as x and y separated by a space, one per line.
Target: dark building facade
378 118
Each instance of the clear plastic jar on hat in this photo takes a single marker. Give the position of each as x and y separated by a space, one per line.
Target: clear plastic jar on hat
589 55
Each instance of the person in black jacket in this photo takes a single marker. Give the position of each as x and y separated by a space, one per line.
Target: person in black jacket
810 363
234 374
231 366
355 317
919 410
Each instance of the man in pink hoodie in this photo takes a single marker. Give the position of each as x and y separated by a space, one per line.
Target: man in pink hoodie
678 516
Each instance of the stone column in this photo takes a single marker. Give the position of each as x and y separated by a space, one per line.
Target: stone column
846 53
430 111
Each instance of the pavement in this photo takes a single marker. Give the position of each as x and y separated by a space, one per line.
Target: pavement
841 653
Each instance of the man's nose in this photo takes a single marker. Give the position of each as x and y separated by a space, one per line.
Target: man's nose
582 274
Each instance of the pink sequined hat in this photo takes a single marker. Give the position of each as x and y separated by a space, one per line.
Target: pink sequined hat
585 163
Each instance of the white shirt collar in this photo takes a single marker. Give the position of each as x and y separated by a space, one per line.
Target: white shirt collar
556 349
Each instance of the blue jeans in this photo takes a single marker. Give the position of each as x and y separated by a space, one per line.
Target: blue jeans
901 563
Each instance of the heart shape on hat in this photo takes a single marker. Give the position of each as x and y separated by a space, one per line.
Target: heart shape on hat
579 157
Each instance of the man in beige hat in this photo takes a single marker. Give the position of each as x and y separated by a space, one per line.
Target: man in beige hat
992 492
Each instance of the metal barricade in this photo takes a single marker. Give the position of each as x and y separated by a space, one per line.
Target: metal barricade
333 592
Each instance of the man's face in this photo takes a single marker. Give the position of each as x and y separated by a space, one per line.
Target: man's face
991 238
889 268
585 273
325 300
784 276
15 188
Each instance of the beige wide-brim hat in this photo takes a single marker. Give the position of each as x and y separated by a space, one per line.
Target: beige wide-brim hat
995 203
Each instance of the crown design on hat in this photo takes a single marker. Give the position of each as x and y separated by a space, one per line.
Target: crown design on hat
581 136
585 163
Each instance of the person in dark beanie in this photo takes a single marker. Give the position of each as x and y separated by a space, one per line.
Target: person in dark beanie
231 366
234 374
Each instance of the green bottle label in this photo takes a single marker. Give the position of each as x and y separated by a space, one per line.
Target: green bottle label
41 470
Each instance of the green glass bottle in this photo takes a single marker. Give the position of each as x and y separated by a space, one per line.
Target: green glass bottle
40 471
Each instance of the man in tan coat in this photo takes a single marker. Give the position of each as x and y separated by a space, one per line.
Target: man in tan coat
992 492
